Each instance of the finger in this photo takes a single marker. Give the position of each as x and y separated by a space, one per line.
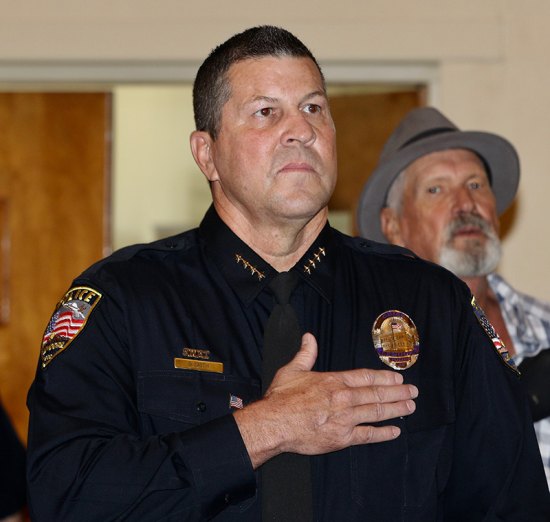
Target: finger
380 394
306 355
374 434
379 412
368 377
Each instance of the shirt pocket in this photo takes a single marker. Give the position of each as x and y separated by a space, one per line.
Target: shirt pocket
413 468
175 400
429 436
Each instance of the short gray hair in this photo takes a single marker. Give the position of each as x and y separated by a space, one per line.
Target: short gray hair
394 198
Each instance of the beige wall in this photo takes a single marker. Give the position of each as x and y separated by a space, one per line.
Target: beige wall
489 62
157 187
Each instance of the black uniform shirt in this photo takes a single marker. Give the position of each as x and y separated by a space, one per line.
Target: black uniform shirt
12 468
131 415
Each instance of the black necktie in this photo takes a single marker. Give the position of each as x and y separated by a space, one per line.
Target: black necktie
286 479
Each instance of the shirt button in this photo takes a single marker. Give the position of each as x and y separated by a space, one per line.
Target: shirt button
227 498
201 406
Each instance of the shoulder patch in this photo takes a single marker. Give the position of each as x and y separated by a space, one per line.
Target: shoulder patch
67 321
499 345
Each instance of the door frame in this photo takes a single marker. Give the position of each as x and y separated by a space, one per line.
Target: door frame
105 75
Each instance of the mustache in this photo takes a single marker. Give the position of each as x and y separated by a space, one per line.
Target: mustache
470 220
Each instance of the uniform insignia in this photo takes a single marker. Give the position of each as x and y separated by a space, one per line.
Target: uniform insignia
235 402
315 260
492 334
198 360
248 266
396 340
195 353
67 321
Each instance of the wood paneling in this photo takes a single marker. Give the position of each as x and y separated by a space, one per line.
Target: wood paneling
54 164
363 124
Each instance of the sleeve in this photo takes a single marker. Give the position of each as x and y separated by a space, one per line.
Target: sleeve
497 472
12 470
91 455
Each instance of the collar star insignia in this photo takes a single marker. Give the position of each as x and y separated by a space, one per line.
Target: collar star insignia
317 257
253 270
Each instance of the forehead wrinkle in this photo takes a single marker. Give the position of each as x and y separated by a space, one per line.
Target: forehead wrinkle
314 94
261 98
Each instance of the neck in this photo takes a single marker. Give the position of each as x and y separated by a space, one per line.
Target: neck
280 242
479 286
486 298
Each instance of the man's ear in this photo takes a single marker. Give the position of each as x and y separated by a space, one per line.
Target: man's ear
201 147
389 223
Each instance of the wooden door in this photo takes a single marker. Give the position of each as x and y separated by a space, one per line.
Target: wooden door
364 121
54 179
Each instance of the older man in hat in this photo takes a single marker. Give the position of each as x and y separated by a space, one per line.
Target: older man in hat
439 191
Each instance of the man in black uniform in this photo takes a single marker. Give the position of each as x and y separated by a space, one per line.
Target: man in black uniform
148 402
12 472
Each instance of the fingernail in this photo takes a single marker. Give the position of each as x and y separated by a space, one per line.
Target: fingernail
411 406
395 432
414 391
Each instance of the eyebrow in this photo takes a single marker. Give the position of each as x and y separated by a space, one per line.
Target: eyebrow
270 99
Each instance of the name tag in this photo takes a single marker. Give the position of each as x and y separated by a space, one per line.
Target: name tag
199 366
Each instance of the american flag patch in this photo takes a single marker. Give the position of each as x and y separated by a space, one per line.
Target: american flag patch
67 321
493 335
235 402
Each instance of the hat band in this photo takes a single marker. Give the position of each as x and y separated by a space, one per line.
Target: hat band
447 130
427 134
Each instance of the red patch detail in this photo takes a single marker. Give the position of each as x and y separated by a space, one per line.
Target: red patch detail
67 321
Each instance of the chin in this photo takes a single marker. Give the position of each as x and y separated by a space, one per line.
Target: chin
466 243
299 211
302 204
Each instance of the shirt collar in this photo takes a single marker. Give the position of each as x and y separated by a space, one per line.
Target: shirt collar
248 274
515 309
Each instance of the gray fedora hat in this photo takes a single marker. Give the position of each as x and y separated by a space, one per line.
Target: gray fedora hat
422 131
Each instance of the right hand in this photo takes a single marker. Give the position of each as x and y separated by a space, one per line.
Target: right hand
318 412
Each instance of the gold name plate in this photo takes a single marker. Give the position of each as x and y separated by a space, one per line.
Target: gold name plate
199 366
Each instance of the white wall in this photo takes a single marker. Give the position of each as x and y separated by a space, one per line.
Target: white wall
490 57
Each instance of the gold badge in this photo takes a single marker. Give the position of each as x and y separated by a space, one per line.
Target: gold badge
396 339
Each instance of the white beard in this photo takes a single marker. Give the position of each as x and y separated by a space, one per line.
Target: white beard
477 258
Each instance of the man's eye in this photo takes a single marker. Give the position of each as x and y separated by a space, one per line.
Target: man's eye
312 108
434 190
474 185
265 111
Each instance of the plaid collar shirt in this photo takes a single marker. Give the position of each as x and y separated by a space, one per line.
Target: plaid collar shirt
528 322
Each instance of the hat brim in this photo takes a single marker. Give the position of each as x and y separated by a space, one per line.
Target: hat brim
498 153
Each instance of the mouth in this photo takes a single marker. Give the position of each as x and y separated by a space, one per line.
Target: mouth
296 167
468 231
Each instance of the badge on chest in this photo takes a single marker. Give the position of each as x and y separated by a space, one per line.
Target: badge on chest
396 340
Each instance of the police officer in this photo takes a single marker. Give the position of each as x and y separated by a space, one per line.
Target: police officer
151 400
12 472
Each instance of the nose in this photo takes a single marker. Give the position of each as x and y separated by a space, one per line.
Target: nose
298 130
464 201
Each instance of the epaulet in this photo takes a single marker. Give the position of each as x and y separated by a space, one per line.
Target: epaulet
381 248
177 242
